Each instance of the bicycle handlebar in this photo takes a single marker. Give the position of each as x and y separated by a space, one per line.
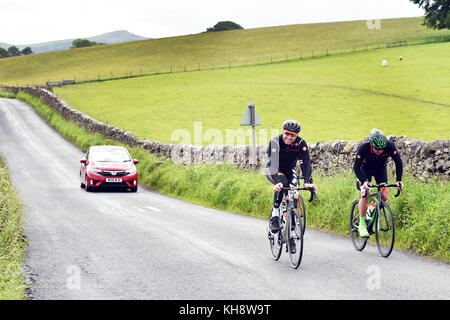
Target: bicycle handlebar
379 186
313 193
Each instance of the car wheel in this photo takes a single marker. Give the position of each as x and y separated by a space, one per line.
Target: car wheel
87 184
134 189
81 184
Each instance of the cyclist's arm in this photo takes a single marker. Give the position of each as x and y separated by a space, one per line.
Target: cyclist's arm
358 162
398 163
305 163
273 161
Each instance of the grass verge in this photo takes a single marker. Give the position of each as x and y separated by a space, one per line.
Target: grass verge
6 94
421 212
12 240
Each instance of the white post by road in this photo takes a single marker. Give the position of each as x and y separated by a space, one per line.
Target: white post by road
251 118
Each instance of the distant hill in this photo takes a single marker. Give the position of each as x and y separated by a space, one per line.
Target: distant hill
108 38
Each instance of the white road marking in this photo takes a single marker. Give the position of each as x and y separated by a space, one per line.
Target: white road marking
153 208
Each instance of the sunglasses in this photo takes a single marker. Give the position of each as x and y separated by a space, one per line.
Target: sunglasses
290 134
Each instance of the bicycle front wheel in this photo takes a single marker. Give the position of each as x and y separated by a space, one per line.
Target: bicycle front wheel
295 238
276 244
385 230
301 206
358 242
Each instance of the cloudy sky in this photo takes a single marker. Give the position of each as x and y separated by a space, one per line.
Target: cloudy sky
31 21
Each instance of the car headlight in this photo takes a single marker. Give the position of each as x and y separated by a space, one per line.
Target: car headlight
95 170
130 171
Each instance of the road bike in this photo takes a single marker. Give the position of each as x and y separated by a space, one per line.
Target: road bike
379 221
293 221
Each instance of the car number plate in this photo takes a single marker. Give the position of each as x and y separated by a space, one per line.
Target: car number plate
113 180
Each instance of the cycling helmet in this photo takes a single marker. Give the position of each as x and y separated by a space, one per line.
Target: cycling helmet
377 139
292 126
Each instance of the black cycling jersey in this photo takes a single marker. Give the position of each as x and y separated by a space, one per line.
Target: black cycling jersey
368 164
283 158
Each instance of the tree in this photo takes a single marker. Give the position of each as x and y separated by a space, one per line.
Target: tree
436 13
80 43
13 51
223 26
3 53
26 51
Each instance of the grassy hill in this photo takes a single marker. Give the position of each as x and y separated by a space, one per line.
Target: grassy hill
212 50
337 97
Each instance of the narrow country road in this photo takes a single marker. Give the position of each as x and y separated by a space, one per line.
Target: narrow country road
144 245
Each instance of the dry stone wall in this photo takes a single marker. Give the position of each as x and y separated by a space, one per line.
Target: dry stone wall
420 158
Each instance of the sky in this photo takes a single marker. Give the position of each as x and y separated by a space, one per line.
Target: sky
30 21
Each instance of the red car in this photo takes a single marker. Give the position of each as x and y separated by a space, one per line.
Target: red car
108 166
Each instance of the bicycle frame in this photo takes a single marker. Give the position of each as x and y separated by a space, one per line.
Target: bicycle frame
379 203
290 200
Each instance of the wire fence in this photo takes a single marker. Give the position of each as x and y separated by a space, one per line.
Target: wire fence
291 55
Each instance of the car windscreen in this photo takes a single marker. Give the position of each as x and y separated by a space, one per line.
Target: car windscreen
109 155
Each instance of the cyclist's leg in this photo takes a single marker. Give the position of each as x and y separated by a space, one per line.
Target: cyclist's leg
273 178
293 182
277 178
362 206
364 201
277 198
381 177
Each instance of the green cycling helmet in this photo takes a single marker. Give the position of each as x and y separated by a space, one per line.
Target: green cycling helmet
377 139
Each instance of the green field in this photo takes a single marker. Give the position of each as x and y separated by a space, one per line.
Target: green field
212 50
337 97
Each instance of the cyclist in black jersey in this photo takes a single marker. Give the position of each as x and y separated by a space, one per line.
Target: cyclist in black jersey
283 152
371 161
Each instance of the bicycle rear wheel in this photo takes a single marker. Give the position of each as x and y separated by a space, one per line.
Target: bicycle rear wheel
358 242
295 238
385 230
